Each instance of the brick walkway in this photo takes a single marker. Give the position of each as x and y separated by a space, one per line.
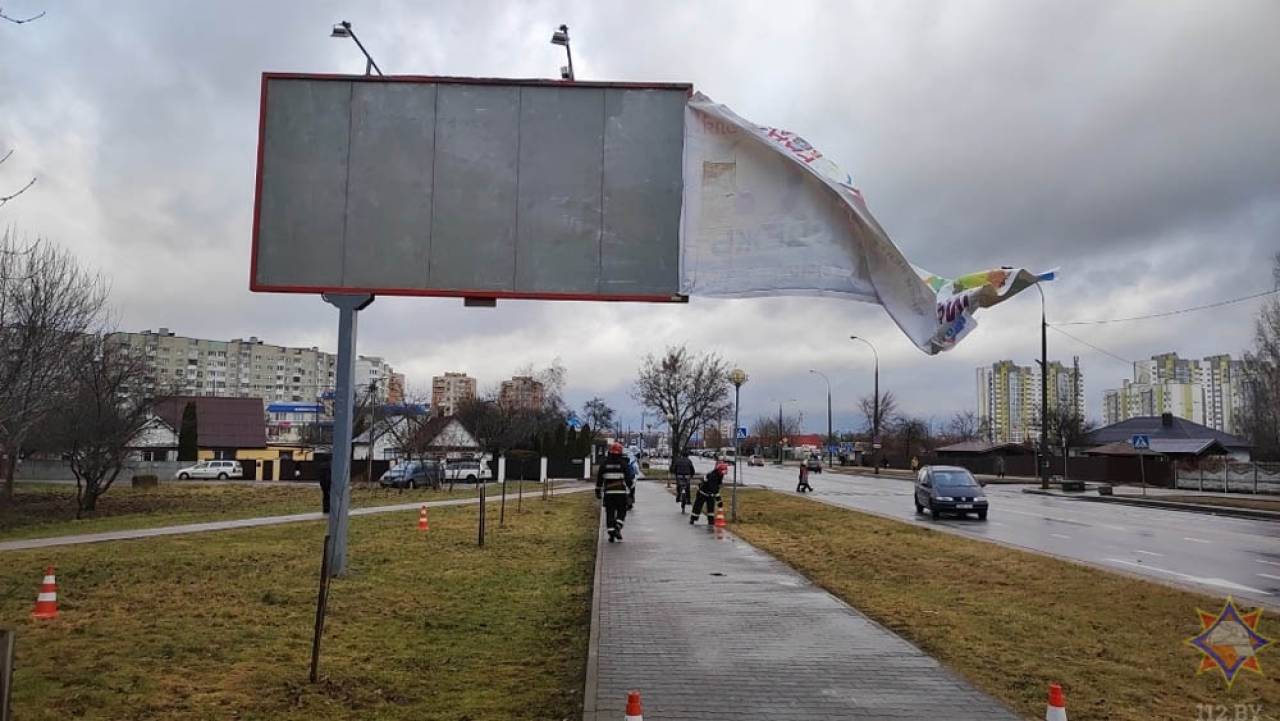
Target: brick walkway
716 629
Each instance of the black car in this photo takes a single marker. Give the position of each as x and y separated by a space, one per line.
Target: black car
949 489
413 474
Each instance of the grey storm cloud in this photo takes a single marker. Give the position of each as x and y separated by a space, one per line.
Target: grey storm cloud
1130 144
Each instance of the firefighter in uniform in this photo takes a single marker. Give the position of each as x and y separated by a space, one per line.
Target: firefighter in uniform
709 494
616 485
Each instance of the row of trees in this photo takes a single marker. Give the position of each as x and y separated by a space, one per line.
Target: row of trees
1262 404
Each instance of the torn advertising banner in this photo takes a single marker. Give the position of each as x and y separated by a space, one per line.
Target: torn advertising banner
766 214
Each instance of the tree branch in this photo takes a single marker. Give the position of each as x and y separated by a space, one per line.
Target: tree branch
20 21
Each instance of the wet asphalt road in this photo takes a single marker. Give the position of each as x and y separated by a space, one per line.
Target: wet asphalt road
1212 554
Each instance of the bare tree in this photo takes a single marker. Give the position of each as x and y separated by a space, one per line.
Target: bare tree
598 414
99 416
1262 388
769 434
411 432
48 304
963 426
912 436
888 411
1067 428
686 390
19 21
497 428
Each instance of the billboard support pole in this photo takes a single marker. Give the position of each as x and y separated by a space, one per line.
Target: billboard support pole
348 306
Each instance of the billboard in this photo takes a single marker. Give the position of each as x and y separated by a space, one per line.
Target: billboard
469 187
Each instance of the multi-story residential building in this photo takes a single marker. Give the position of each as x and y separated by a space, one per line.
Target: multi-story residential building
449 391
242 368
1009 398
1210 392
522 392
395 389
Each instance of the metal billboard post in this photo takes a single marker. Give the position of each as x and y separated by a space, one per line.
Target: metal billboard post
344 406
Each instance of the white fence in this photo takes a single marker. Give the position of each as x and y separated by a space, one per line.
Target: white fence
1230 477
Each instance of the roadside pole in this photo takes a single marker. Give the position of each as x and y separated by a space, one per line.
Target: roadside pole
7 643
1142 472
322 604
349 306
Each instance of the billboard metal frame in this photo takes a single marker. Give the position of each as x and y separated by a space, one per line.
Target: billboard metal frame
257 287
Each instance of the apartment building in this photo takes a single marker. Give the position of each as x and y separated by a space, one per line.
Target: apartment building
243 368
522 392
449 391
1009 398
1211 391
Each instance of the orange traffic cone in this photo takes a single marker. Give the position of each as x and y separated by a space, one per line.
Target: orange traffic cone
720 517
633 707
1057 704
47 599
422 519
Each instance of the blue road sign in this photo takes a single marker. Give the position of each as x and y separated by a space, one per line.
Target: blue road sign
742 433
1141 442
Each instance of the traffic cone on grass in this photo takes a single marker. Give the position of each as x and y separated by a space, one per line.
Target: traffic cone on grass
422 519
47 599
1057 704
633 707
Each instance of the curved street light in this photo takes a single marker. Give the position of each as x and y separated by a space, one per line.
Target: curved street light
343 30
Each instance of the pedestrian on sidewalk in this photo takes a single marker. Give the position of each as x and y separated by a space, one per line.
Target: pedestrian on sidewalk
803 485
616 486
999 466
709 494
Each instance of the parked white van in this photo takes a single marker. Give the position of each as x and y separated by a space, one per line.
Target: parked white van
470 471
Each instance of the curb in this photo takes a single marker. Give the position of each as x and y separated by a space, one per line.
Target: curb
1231 511
590 687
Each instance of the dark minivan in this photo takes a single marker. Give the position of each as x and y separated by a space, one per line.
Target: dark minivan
949 489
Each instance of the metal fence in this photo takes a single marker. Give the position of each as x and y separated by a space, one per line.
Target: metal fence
1230 476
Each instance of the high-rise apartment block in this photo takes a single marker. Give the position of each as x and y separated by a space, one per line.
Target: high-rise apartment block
1009 398
449 391
522 392
242 368
1210 391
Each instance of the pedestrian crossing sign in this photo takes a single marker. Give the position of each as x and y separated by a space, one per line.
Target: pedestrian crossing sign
1141 442
742 433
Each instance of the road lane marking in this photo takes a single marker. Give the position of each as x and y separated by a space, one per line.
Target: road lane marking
1059 535
1270 576
1220 582
1269 563
1195 540
1148 553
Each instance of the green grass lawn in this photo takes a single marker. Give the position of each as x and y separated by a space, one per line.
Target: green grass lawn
218 626
49 509
1013 621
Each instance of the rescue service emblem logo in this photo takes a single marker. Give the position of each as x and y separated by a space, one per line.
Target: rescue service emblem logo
1229 641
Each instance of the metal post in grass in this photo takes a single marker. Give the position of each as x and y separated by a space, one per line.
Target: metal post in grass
480 540
8 638
1255 478
322 603
519 496
502 508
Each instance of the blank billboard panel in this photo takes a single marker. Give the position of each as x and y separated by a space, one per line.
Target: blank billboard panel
466 187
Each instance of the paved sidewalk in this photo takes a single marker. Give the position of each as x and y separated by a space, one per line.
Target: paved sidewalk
716 629
131 533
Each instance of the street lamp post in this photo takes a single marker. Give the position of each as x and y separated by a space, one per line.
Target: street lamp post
830 437
737 377
875 407
1044 394
343 30
561 37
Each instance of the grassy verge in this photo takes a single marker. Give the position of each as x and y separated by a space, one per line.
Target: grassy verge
1261 504
42 510
1008 620
219 626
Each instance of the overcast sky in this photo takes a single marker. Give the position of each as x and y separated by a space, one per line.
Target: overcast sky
1133 145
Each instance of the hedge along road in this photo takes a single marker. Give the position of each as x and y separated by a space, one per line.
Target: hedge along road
227 525
1216 554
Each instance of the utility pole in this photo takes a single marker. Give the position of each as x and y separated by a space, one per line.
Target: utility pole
830 437
875 406
1044 394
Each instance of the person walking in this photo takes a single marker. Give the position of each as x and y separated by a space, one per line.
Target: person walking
803 485
709 494
999 466
616 486
682 469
